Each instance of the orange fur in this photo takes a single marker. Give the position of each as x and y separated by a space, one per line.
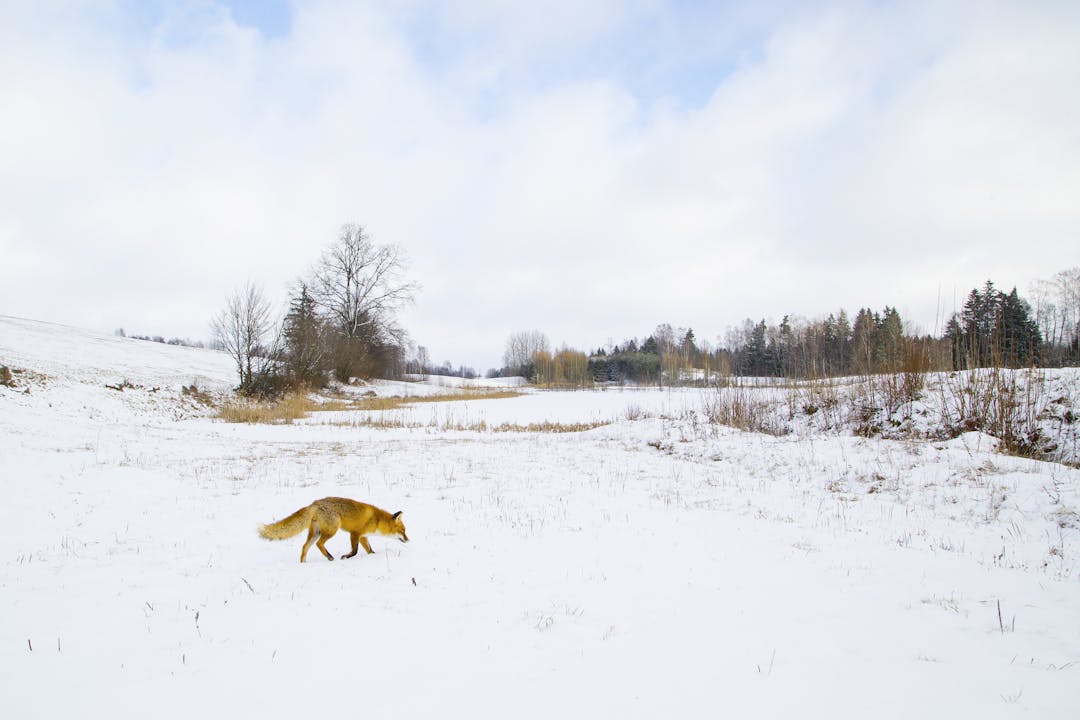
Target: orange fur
323 518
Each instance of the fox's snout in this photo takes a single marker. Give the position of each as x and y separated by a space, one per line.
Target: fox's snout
404 537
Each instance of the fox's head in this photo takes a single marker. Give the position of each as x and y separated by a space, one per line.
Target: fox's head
397 527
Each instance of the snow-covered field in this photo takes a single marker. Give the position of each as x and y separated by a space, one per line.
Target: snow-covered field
656 566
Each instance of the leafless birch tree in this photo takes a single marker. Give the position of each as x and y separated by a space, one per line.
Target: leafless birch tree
242 329
522 347
358 285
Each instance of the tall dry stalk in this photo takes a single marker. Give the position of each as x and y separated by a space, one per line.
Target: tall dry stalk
738 406
1003 403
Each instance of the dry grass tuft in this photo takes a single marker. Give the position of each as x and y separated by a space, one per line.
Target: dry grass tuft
398 422
738 406
291 407
394 403
200 396
297 405
381 422
377 403
550 427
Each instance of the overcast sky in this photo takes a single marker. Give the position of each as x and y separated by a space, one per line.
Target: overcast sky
588 169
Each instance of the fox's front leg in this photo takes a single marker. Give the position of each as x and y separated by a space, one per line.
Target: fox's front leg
355 537
357 540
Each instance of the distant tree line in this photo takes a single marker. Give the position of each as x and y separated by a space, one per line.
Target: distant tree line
528 354
182 342
420 364
993 328
340 322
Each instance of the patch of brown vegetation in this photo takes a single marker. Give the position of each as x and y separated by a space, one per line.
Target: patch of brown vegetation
280 412
200 396
297 405
397 401
550 427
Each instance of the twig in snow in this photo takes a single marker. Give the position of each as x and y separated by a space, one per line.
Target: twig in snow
249 586
771 661
1001 622
1012 699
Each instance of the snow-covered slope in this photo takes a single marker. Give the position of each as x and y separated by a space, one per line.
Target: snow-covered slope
71 386
656 566
70 354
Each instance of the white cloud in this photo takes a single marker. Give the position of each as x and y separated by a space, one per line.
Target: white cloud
863 155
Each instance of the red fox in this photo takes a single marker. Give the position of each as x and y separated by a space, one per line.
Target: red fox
323 518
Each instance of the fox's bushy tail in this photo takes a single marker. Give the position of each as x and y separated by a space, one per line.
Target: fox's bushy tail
292 525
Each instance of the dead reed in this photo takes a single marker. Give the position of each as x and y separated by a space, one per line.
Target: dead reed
298 405
397 401
742 407
280 412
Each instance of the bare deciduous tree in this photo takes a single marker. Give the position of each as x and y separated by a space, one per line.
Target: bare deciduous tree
522 347
358 286
1057 312
242 329
358 283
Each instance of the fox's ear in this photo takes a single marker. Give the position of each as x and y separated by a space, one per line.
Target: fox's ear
396 515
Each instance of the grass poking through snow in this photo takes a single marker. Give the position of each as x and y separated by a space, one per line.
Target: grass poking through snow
298 405
281 412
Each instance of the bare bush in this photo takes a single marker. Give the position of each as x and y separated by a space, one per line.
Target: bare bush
740 407
818 398
1004 403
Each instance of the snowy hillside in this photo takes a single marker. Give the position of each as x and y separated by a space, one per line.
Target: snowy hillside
657 565
77 355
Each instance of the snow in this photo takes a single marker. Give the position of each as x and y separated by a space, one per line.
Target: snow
658 565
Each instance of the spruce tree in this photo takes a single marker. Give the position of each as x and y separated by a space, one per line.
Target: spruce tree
305 342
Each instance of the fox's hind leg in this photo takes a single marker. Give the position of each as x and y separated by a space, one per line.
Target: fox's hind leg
324 535
307 543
